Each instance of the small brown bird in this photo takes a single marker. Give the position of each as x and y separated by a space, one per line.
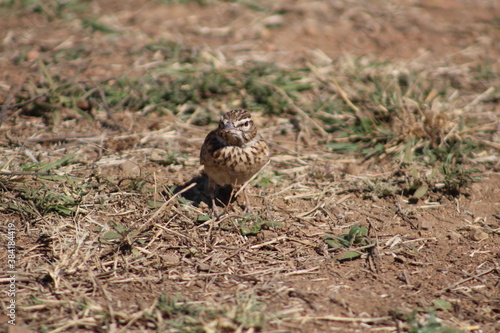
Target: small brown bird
233 153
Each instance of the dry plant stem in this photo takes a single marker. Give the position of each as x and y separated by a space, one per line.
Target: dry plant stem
25 173
96 137
244 186
138 316
347 319
346 99
442 291
29 101
6 104
146 224
341 92
290 151
301 112
106 108
479 98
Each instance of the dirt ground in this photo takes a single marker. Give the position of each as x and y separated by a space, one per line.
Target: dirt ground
437 257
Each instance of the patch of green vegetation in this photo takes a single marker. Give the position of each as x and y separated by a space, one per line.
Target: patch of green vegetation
171 156
195 89
54 93
41 201
77 52
457 177
419 182
50 9
247 313
43 167
425 320
408 116
484 73
429 326
447 173
271 88
267 178
258 6
172 52
251 224
95 25
122 238
356 237
52 193
133 184
378 188
388 112
183 89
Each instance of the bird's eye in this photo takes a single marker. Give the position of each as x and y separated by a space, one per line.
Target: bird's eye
246 123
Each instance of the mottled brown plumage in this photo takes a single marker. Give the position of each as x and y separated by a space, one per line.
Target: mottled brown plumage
233 153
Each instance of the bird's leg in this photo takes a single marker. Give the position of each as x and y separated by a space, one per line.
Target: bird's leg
248 208
211 191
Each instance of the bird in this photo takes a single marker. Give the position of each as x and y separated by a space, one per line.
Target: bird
233 153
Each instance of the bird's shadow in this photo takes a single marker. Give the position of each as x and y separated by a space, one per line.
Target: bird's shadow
199 193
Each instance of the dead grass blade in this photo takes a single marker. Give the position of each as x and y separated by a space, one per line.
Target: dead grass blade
345 319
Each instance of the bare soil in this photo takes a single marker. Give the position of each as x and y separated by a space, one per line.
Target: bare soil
443 249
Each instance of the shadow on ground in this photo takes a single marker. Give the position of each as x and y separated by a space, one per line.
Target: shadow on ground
199 193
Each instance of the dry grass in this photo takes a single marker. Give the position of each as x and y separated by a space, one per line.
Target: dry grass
368 187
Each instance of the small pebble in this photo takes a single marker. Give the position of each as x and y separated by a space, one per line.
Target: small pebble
478 234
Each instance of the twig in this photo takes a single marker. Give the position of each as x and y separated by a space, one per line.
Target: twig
374 256
277 146
479 128
65 138
31 100
486 143
170 230
346 99
347 319
272 241
479 99
157 213
25 174
88 321
302 271
248 181
361 248
465 280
